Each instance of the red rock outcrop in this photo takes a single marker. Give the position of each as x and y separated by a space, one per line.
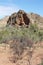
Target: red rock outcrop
20 18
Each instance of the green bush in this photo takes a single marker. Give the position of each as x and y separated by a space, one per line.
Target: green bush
32 32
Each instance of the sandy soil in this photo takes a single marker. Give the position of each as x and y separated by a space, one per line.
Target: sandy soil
36 58
4 55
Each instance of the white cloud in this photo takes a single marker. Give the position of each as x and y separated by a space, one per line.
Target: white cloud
7 10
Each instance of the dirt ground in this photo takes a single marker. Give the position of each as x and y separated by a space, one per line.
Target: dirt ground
37 55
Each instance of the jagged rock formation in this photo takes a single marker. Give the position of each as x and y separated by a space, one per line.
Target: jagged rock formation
20 18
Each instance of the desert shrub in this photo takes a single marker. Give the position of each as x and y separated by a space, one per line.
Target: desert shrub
32 32
18 46
35 33
40 34
22 38
33 27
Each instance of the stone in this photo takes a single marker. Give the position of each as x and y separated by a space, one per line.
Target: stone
20 18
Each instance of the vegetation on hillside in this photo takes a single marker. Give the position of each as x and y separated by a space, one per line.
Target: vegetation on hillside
32 32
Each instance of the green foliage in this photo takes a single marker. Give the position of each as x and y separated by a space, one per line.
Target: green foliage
36 33
11 32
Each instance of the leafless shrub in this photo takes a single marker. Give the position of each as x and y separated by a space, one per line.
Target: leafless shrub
18 46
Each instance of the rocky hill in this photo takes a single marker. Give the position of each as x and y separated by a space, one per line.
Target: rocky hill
21 39
22 18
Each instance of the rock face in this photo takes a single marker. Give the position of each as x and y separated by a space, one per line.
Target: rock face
20 18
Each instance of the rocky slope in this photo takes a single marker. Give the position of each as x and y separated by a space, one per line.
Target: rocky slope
3 21
35 18
20 42
22 18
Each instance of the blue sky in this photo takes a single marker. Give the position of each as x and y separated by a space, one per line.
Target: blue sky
9 6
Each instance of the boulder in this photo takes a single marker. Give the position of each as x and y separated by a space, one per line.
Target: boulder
20 18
